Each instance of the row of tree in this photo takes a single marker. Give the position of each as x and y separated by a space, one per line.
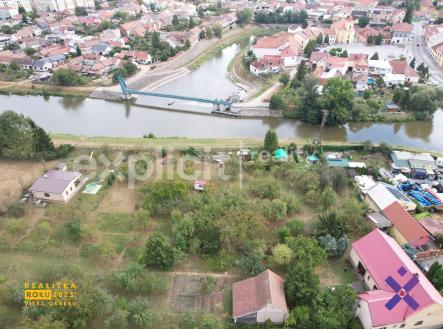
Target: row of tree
280 17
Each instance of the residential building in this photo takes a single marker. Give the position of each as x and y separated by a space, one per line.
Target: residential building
382 195
259 299
401 33
379 67
267 65
283 45
344 30
402 67
405 229
56 185
399 295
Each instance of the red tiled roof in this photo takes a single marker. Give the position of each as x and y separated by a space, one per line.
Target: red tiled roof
407 225
402 27
272 42
253 294
402 67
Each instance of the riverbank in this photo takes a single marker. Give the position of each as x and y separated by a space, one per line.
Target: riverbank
125 143
26 88
246 33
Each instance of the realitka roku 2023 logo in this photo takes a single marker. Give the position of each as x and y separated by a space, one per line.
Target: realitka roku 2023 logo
62 293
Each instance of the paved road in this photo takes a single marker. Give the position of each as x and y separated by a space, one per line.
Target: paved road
422 54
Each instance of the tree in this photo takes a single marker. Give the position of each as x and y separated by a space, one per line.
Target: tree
236 226
159 251
21 10
282 255
378 39
271 141
250 265
331 224
319 39
326 39
412 63
302 70
244 16
370 40
363 21
14 65
80 11
333 247
309 101
191 23
334 309
301 285
209 33
67 77
73 230
16 136
201 12
328 197
337 99
435 275
29 51
78 51
306 250
409 12
423 101
218 30
375 56
423 71
284 78
310 47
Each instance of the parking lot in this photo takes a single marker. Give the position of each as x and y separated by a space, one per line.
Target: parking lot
388 52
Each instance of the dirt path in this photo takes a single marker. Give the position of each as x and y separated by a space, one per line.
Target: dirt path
37 213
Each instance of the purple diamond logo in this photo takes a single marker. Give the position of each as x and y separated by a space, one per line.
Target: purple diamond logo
402 293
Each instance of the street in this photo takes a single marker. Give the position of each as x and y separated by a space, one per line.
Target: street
423 55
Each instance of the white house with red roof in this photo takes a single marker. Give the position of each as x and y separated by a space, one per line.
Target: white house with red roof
282 44
401 33
259 299
267 65
399 295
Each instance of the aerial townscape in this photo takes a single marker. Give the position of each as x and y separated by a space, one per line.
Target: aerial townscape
221 164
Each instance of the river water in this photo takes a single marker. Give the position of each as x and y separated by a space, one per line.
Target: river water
93 117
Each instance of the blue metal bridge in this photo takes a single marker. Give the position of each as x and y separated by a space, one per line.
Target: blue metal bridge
128 92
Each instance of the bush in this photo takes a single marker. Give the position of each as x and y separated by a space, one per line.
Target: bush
250 265
15 210
73 230
282 255
67 77
159 252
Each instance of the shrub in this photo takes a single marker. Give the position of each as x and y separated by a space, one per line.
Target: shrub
159 252
15 210
250 265
282 254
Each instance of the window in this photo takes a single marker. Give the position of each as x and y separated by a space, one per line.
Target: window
67 192
403 325
418 323
71 188
47 195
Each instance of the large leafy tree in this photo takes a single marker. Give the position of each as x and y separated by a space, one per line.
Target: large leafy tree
271 141
306 251
309 108
159 252
334 309
16 136
337 99
301 284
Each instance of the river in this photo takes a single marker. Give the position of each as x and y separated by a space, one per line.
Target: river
94 117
